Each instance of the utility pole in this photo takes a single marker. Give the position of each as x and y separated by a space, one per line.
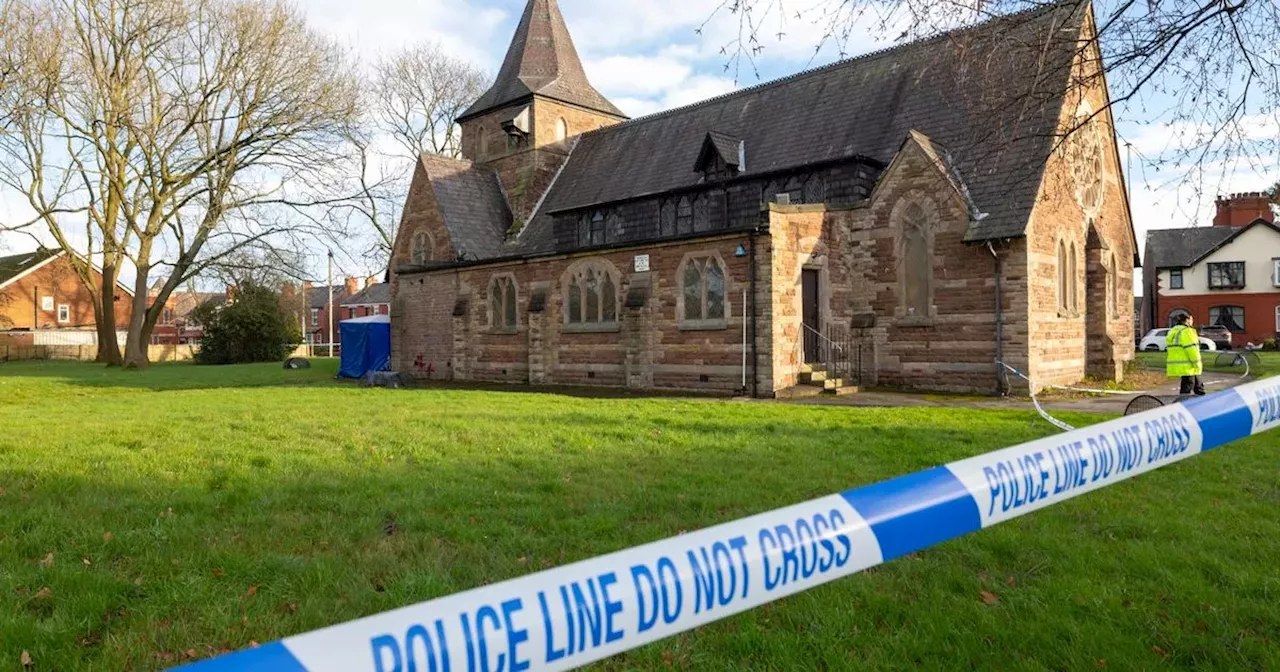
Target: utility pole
329 316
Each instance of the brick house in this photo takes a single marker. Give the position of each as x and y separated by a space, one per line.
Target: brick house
374 299
176 326
40 291
1227 274
318 321
906 217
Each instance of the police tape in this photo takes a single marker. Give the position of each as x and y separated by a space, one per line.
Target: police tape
567 617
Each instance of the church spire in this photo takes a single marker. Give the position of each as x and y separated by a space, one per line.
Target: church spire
542 60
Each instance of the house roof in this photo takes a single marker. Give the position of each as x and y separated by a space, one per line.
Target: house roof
471 202
373 294
318 297
978 91
17 265
542 60
1183 248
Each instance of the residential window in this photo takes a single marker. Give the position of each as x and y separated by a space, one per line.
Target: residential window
64 313
46 303
562 130
917 263
1278 319
1226 275
1231 317
315 317
591 297
422 252
1275 272
167 316
502 304
1175 278
704 292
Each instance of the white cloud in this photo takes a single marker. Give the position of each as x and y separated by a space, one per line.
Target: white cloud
642 75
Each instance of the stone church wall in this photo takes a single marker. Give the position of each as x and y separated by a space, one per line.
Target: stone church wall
445 323
857 252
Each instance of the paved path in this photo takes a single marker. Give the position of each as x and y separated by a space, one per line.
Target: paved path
1111 404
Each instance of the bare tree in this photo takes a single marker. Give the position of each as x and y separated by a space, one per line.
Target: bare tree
151 133
419 93
1209 69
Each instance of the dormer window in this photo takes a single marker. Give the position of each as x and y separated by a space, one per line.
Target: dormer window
722 157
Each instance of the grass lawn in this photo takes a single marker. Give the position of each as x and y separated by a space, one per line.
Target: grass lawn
146 518
1270 363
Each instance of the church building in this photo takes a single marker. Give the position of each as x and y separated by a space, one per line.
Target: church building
907 218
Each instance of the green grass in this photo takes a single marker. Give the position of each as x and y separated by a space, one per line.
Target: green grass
1270 363
191 510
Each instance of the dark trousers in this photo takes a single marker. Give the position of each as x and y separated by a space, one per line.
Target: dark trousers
1192 385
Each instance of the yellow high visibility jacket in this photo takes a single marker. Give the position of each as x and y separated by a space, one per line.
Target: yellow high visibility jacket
1183 352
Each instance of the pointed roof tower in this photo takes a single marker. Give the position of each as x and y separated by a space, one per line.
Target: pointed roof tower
543 61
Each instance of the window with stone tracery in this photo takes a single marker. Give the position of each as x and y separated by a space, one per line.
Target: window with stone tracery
420 252
591 296
1085 161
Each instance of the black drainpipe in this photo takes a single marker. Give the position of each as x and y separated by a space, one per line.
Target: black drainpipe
1002 382
755 355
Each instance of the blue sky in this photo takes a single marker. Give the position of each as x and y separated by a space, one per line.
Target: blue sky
647 55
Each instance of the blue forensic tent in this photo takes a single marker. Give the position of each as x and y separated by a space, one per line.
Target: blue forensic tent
366 346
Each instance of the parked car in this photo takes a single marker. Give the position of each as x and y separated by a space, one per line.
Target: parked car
1219 334
1155 341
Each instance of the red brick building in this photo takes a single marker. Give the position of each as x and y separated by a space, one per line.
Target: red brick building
903 218
41 290
176 325
374 299
1227 274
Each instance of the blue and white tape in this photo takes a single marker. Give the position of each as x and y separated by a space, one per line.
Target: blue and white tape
567 617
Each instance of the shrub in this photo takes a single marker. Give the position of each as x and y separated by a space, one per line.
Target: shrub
1269 344
253 327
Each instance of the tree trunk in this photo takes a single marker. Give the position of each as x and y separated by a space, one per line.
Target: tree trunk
105 319
135 345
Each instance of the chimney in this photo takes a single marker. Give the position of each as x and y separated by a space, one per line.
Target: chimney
371 281
353 286
1243 209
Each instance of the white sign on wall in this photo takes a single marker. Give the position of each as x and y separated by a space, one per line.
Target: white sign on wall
46 303
642 263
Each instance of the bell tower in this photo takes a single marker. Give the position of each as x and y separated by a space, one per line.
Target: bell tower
525 124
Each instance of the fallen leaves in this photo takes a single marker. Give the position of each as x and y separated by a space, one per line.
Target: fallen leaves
87 562
25 659
107 537
989 598
1159 651
42 594
47 561
253 590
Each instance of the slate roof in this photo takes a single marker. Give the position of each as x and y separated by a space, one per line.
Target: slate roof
1183 248
13 265
542 60
373 294
475 211
992 94
318 297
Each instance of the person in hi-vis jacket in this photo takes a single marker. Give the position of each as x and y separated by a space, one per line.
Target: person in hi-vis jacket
1183 356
